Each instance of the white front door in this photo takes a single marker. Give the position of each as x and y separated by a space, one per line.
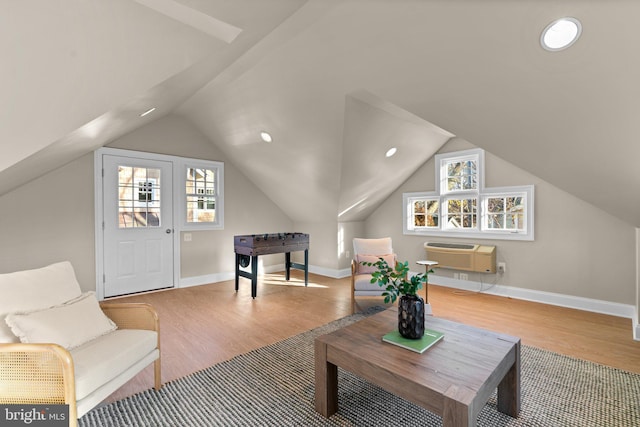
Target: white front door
138 225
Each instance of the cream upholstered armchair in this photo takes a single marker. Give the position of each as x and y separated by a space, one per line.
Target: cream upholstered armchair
60 346
370 250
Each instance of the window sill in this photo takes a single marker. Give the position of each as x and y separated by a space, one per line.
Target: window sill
505 235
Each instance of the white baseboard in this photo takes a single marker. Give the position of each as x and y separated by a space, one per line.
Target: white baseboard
569 301
186 282
322 271
344 273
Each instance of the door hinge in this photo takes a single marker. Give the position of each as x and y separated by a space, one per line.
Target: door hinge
104 278
103 172
102 225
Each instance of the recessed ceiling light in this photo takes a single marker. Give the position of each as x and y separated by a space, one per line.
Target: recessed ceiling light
266 137
561 34
149 111
391 152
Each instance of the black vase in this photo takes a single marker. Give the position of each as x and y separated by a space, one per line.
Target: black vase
411 316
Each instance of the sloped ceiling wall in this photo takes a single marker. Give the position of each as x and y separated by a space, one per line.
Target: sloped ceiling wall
472 68
66 64
77 74
373 126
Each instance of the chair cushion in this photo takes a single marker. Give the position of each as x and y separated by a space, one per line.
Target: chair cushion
101 360
372 246
35 289
70 324
362 282
366 269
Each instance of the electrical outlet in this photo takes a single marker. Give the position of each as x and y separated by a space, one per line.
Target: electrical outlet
502 267
347 254
464 276
187 237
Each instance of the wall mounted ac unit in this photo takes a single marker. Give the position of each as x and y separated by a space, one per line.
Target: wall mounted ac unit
468 257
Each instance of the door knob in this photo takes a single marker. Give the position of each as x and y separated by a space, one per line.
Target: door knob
168 231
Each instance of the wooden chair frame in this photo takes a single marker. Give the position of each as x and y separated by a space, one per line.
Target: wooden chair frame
44 373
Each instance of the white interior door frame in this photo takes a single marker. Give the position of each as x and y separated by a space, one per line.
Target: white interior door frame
99 210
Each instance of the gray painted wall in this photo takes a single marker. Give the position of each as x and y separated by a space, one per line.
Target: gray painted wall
51 219
638 283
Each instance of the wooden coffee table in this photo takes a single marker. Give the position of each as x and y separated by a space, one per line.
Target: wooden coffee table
453 379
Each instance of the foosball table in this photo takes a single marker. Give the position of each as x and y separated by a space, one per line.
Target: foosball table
249 247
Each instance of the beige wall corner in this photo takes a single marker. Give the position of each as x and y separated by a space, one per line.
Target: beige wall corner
322 245
346 233
636 332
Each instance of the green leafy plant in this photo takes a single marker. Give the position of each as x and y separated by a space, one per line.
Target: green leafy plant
394 280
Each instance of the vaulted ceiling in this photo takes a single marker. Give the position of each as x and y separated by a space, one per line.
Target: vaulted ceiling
336 83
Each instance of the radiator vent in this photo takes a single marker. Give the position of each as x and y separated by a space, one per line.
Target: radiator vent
467 257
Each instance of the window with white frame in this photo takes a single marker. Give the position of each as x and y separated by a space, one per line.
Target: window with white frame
461 213
423 212
203 194
460 174
462 207
504 211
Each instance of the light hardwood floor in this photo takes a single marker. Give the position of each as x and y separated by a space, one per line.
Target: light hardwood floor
204 325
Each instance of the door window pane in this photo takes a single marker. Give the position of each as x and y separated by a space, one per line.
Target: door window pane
139 197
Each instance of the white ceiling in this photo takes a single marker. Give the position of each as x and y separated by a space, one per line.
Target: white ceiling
336 83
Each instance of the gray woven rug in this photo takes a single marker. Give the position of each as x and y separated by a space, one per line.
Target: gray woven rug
274 386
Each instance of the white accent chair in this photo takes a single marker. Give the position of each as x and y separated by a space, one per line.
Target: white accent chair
59 346
370 250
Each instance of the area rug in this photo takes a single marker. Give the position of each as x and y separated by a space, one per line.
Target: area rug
274 386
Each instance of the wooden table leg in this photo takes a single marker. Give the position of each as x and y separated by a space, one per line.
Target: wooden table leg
426 292
509 387
458 407
326 393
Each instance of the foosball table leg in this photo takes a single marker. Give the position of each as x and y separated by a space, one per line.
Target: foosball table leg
254 276
287 265
306 266
237 269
